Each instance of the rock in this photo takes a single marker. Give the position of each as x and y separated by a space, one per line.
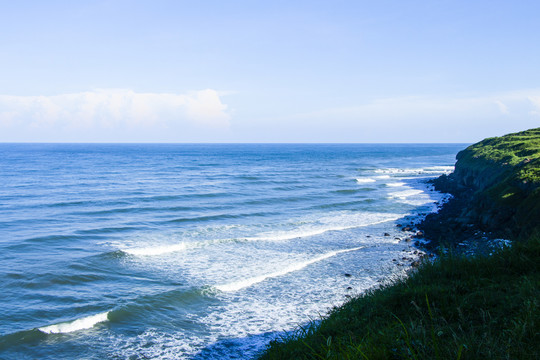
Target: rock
349 288
419 234
347 275
386 234
415 264
407 228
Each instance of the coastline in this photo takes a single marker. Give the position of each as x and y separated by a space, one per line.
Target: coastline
479 298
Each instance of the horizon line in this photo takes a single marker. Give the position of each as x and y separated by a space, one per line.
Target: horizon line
226 143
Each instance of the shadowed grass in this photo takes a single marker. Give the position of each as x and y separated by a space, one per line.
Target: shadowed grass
453 308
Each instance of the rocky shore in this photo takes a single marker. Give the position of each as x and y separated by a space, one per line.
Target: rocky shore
495 192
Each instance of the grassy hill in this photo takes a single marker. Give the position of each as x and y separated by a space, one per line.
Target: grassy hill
482 307
496 189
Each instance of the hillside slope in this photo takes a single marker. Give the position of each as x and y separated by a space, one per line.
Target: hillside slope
496 189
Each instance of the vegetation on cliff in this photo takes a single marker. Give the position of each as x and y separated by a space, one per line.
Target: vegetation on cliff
496 189
458 307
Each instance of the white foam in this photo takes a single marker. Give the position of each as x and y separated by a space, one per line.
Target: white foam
430 170
368 180
155 250
75 325
289 235
444 169
237 285
406 193
395 184
365 180
332 223
343 221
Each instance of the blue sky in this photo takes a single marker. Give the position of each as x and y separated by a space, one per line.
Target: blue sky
268 71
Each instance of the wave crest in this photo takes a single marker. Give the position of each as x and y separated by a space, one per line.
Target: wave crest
155 250
75 325
240 284
365 180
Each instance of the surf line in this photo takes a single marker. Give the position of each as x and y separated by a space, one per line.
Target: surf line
241 284
281 236
75 325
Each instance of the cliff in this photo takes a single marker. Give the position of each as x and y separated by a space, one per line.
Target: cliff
496 191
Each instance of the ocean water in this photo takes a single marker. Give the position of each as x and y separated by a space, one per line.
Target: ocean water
196 251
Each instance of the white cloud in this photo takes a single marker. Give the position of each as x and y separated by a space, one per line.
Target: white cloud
201 116
420 107
535 101
502 107
112 110
422 118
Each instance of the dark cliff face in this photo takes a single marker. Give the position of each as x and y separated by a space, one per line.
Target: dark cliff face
477 174
496 189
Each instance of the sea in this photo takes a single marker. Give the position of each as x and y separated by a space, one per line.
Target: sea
198 251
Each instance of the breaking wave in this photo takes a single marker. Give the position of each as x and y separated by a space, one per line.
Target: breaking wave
75 325
241 284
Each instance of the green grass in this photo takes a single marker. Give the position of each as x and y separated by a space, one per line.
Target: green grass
511 149
520 149
454 308
503 174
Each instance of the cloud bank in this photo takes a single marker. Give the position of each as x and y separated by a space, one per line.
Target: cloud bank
423 118
511 103
201 116
109 114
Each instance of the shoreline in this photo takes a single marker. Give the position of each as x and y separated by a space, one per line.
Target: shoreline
479 298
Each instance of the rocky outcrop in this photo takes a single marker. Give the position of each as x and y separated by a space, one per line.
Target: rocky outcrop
495 188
